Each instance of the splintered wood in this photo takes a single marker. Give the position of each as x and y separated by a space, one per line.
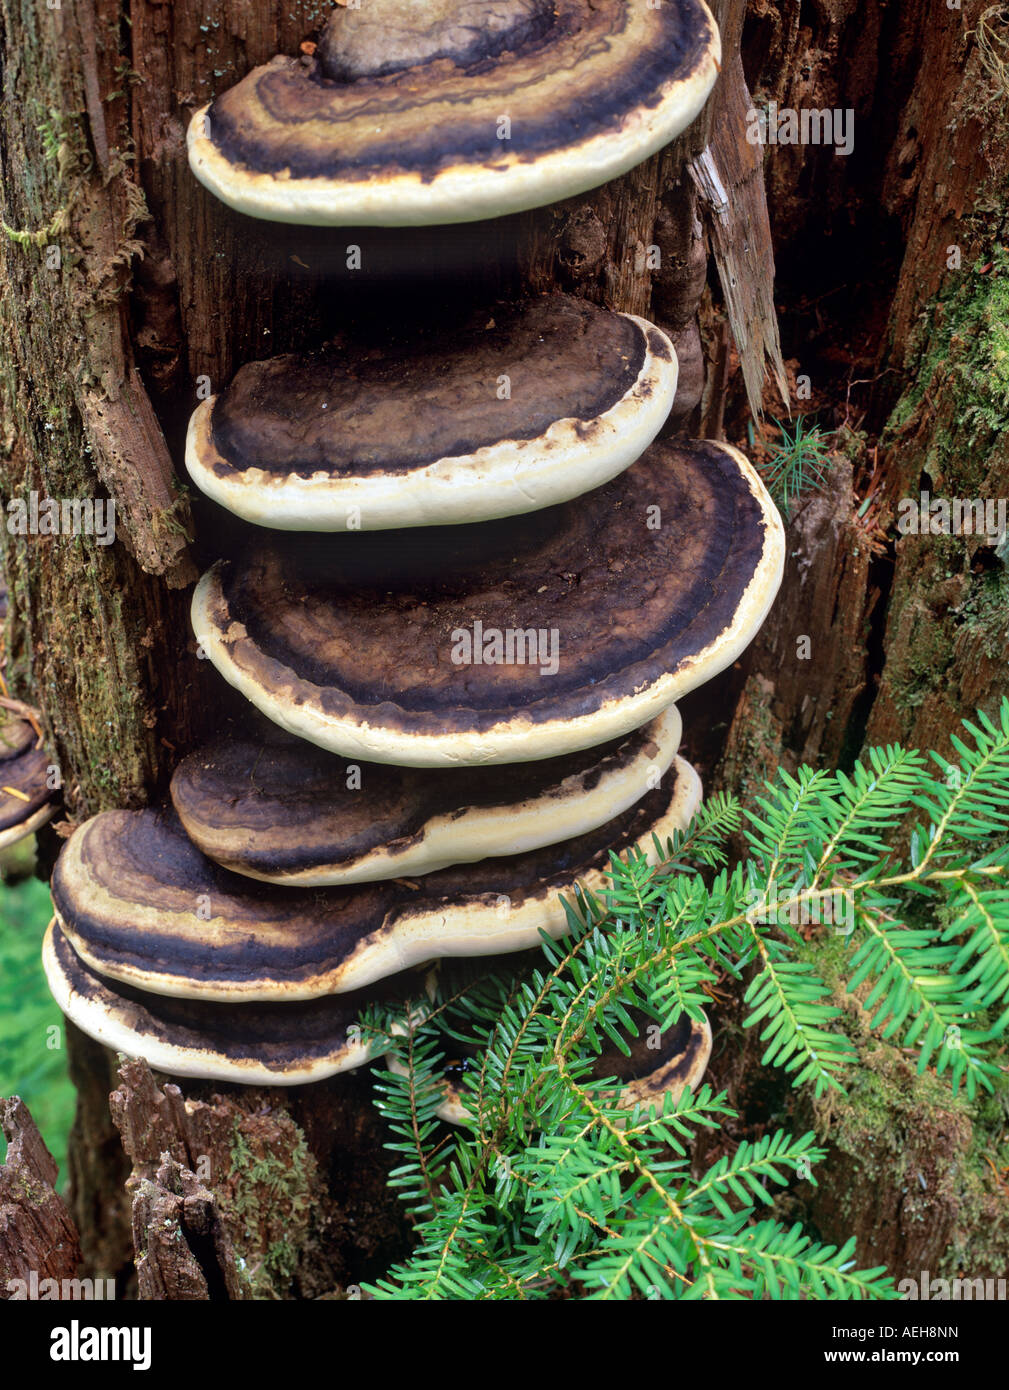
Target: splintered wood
38 1240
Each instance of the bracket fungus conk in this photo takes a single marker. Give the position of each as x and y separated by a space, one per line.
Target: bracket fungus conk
287 812
526 406
256 1044
140 904
471 686
659 1062
159 951
616 604
26 800
453 110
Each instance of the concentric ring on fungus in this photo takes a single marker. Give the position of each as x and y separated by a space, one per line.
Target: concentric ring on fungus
454 110
26 800
522 407
254 1044
287 812
503 642
139 903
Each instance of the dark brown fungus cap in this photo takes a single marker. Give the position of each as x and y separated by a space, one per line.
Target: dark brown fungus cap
288 812
525 406
26 802
454 110
256 1044
662 1062
650 1073
498 643
140 903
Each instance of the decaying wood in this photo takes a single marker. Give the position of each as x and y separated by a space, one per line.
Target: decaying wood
947 634
98 1167
729 177
38 1239
863 245
909 1170
603 244
635 245
78 261
946 178
813 642
75 421
183 1248
907 1187
134 464
258 1204
905 641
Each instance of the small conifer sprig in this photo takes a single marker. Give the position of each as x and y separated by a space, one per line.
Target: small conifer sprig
550 1186
800 462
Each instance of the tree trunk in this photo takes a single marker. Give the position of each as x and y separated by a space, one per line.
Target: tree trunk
886 313
37 1237
125 286
893 298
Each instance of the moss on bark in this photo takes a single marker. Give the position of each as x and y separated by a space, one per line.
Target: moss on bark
916 1174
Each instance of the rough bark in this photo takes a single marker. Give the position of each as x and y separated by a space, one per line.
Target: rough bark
947 633
905 632
729 178
98 1167
88 623
265 1196
38 1239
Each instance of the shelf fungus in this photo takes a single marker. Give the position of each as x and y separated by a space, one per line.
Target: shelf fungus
522 408
455 110
498 643
140 904
661 1062
285 811
26 800
255 1044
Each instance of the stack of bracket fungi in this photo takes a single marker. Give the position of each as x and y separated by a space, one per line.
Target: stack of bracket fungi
499 578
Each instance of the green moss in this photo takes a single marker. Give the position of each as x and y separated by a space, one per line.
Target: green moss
962 347
266 1202
983 1237
757 746
986 612
75 639
928 656
280 1260
884 1121
168 519
948 618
